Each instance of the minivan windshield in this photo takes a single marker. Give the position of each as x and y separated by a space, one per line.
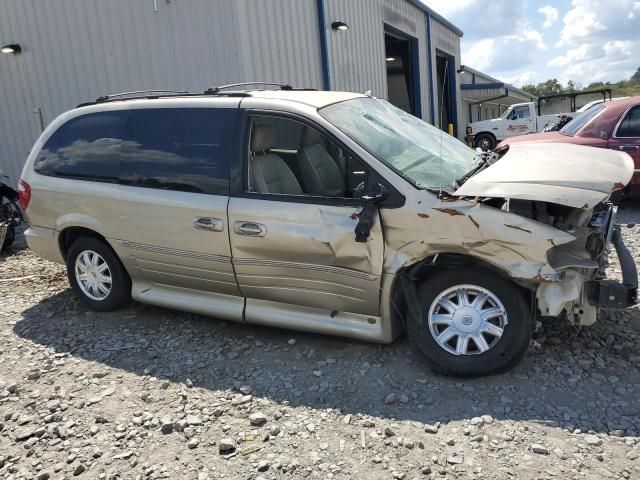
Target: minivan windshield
424 155
581 120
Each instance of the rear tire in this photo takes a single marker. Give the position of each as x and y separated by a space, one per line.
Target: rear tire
485 141
97 276
9 238
489 338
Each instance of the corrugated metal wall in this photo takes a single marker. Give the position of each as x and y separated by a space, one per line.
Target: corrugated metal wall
357 57
280 41
78 50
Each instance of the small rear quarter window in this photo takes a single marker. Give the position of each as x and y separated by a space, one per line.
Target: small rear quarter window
85 147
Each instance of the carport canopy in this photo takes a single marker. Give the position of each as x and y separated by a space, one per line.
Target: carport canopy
478 88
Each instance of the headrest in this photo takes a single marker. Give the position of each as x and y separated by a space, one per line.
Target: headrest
261 138
311 136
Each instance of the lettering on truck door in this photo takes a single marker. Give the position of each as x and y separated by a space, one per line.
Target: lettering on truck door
519 122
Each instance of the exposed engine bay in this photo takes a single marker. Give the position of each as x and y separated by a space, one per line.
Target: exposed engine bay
580 286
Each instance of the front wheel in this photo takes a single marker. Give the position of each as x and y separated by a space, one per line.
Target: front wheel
484 141
474 323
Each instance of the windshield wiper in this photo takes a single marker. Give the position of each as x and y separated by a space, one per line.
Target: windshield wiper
484 161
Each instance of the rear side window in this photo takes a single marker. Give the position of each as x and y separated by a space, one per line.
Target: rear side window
85 147
630 126
183 149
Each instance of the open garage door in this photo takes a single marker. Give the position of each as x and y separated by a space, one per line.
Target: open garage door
403 84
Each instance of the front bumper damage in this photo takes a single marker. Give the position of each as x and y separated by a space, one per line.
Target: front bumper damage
583 286
611 293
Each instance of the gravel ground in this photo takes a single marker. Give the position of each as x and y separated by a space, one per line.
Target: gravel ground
153 393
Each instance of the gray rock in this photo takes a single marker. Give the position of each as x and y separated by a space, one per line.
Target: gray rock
23 433
257 419
539 449
431 428
263 466
193 443
166 424
226 445
593 440
194 420
180 425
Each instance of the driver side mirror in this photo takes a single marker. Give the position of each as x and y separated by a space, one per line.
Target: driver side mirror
377 194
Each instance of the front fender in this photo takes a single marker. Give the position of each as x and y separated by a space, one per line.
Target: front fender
512 243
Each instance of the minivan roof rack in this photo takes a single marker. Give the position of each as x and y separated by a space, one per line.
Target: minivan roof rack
139 93
153 94
281 86
135 94
215 90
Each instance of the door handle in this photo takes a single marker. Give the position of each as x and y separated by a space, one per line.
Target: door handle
629 147
209 224
250 229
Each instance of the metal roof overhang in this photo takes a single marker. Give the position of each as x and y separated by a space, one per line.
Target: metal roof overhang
501 93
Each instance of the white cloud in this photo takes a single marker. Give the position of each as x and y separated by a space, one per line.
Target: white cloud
521 78
620 49
518 42
595 19
579 54
551 15
447 8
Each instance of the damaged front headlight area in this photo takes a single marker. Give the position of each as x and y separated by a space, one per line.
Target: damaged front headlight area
582 263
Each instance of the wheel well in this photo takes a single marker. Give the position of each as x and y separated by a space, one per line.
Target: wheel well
71 234
485 133
413 275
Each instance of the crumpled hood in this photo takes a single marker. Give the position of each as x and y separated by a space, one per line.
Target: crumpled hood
565 174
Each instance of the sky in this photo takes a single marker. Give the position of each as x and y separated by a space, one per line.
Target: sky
530 41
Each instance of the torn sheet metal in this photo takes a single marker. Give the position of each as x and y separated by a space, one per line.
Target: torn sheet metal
515 244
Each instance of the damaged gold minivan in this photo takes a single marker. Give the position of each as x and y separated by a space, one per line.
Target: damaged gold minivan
329 212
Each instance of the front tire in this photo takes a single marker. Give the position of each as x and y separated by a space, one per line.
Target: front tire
484 141
473 323
97 275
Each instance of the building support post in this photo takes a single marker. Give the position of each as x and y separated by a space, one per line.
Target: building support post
430 49
324 48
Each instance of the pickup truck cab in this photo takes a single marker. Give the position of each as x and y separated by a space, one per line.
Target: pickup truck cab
519 119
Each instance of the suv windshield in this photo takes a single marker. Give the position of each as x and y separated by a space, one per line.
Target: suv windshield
422 154
581 120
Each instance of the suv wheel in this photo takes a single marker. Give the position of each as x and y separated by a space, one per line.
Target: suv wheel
97 276
474 323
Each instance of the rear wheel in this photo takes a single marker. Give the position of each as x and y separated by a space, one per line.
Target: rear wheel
9 238
474 323
484 141
97 275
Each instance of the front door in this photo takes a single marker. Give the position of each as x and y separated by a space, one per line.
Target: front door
519 122
173 198
292 229
626 139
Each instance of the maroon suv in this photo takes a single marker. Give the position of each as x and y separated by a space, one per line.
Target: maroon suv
614 125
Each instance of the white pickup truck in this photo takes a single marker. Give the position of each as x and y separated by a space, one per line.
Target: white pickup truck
519 119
